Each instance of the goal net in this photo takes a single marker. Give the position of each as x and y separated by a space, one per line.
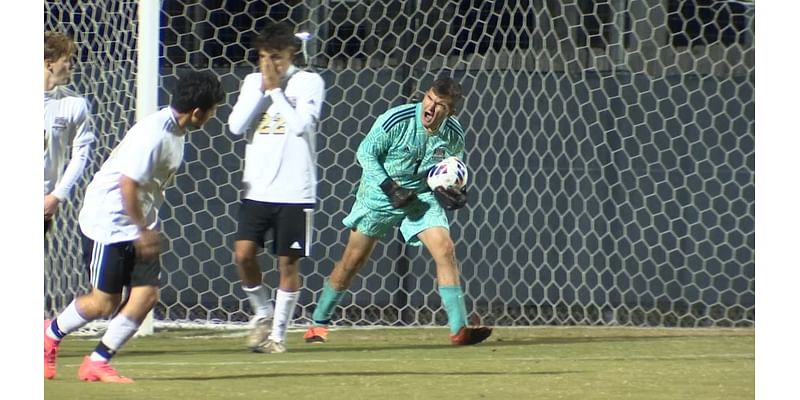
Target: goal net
105 34
610 147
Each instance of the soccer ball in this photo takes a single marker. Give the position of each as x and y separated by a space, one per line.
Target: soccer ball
449 173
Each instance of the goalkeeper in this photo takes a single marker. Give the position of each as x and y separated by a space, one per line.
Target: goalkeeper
403 144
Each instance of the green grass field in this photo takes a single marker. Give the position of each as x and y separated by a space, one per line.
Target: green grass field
516 363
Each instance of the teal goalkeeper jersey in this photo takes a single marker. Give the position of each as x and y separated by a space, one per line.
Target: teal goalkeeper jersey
398 146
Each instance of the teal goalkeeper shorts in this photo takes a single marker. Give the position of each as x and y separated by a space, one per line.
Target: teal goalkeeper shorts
413 219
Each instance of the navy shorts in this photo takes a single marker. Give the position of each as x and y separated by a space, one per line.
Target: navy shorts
114 266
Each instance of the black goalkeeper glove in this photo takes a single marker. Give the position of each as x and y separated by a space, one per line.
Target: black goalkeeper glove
450 199
398 196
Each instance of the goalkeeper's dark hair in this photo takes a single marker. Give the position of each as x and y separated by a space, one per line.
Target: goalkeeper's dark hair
57 45
448 87
196 90
277 36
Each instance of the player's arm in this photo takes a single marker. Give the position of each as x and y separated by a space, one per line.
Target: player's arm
302 117
81 149
147 245
251 104
137 167
371 151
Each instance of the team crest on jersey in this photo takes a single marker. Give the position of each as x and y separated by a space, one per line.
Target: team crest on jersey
56 130
59 125
439 154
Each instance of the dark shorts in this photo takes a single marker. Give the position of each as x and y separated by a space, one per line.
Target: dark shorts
48 223
114 266
291 226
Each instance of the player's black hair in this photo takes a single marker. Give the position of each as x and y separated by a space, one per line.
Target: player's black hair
196 89
448 87
277 36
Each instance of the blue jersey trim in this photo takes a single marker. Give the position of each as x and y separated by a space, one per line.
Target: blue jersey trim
454 125
398 117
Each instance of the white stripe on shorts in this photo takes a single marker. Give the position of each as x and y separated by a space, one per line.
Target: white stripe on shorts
96 263
309 229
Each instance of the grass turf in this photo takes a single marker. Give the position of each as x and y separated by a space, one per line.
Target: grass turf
515 363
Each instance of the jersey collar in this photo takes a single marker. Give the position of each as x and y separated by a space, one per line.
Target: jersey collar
172 123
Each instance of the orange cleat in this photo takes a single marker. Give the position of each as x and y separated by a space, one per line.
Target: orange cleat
316 334
469 336
50 353
102 371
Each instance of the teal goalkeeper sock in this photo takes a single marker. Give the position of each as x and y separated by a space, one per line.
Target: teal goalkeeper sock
454 305
328 301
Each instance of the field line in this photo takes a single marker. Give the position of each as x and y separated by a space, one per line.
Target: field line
742 356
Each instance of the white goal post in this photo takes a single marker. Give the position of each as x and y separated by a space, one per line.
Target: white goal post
147 82
610 145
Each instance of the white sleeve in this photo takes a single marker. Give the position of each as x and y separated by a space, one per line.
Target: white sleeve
140 156
81 149
305 115
250 104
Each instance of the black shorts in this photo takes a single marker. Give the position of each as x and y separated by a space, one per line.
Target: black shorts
291 226
48 223
114 266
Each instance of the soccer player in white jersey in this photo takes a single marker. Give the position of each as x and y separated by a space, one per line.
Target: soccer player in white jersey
67 124
277 111
119 224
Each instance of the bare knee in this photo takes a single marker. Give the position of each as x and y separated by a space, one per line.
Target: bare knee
352 261
289 268
288 265
98 304
358 249
249 270
141 301
443 250
147 299
245 257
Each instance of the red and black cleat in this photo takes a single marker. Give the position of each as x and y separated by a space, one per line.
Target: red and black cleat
468 336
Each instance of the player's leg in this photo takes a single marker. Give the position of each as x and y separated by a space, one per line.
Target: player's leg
432 229
367 227
257 293
356 253
143 279
96 366
254 221
79 312
293 228
285 302
104 263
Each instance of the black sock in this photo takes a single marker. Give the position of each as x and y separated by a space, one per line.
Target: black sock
103 351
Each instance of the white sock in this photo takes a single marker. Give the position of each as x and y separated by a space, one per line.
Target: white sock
70 320
259 301
284 309
120 329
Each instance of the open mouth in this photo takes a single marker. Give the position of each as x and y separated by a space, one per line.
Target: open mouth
427 115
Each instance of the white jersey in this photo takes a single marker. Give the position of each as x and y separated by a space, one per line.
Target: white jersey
67 124
280 126
150 153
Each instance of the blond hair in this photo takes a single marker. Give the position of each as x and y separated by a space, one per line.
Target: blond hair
57 45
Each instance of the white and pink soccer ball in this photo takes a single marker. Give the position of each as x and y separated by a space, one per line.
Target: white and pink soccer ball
449 173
